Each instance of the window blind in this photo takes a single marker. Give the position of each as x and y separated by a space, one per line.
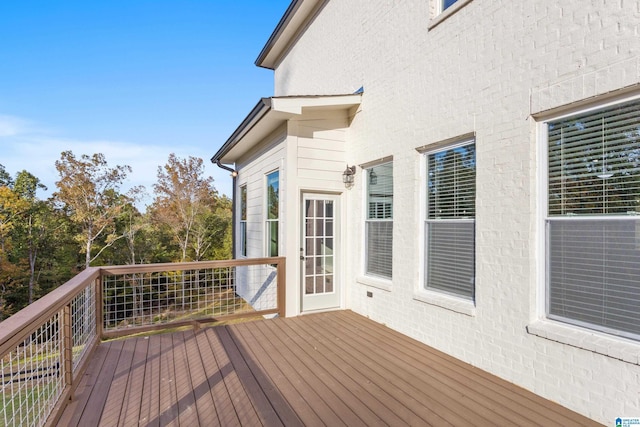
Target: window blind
594 162
450 259
450 223
452 183
379 223
593 226
594 273
379 248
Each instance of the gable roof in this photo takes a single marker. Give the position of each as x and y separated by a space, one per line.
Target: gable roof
270 113
292 23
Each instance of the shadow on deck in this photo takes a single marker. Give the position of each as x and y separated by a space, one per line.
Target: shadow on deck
333 369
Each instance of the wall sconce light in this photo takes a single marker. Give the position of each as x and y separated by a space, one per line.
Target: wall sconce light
373 177
348 176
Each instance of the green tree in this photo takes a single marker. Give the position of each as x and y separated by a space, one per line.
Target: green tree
12 206
184 201
89 188
5 177
35 227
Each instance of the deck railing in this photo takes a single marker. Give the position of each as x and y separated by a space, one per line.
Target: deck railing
44 347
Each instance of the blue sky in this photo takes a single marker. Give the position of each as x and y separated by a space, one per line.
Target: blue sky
133 79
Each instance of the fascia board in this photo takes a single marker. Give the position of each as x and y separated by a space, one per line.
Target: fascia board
294 19
296 105
270 113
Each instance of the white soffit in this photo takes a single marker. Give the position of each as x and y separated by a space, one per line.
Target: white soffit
271 113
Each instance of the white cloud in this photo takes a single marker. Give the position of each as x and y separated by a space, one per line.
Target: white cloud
21 149
11 125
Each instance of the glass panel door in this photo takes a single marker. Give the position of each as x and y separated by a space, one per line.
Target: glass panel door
318 252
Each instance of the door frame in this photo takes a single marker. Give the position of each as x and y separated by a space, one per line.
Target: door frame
338 254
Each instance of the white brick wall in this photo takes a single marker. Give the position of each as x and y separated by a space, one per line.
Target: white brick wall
485 69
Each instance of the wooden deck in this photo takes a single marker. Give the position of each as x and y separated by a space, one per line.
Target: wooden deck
332 369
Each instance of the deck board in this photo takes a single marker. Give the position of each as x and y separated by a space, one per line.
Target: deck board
204 403
135 382
353 390
94 409
452 398
215 373
115 399
503 398
75 408
285 367
334 368
150 398
359 367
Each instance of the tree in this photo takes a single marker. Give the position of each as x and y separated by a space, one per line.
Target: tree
35 226
5 177
184 199
11 208
89 188
219 229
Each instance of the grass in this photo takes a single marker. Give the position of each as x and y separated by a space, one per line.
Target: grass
28 406
225 302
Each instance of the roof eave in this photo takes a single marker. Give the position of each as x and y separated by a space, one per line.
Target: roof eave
271 113
262 107
294 19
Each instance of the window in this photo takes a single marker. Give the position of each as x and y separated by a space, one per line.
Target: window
243 220
273 207
593 222
379 222
450 220
446 3
441 10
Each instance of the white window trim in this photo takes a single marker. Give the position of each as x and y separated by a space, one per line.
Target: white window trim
267 221
420 293
438 15
243 239
375 282
614 346
587 339
378 282
445 300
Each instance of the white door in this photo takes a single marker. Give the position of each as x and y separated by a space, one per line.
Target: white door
319 252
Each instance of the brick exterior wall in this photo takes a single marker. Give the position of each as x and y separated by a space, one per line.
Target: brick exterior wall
485 69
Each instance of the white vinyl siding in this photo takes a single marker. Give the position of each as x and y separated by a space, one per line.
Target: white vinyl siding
593 223
450 222
379 221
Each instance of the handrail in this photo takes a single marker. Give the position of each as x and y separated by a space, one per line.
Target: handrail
151 298
57 333
193 265
27 320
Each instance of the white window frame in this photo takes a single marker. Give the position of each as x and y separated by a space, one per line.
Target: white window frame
366 171
471 219
441 5
438 13
270 221
567 330
243 220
